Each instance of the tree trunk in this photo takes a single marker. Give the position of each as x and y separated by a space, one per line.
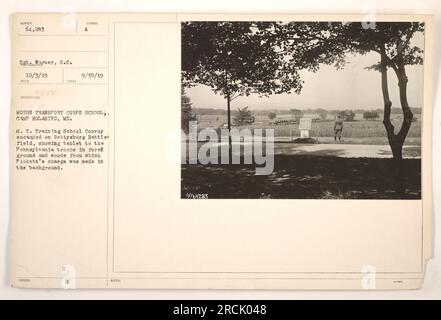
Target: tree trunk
396 141
230 144
398 169
407 113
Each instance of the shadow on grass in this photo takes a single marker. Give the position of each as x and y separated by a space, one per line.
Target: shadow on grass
303 177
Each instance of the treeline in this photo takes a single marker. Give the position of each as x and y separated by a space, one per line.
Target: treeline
222 111
210 111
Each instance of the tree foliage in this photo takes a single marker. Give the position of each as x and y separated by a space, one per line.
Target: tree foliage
235 59
314 43
272 115
244 117
297 113
323 114
371 115
187 114
347 115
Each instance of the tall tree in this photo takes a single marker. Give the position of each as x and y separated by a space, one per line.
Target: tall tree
393 45
187 114
235 59
392 41
312 44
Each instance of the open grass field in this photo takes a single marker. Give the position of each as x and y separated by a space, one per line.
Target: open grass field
322 174
358 131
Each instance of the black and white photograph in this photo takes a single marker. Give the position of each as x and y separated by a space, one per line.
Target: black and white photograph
241 152
301 110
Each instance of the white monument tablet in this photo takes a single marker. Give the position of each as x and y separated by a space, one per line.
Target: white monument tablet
305 127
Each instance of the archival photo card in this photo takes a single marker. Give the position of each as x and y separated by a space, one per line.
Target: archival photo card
220 151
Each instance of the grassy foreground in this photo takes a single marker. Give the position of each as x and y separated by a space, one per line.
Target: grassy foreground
302 177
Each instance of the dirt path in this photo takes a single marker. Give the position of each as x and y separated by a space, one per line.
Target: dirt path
346 150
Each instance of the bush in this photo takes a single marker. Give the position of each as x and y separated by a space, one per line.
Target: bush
244 117
272 115
347 115
371 115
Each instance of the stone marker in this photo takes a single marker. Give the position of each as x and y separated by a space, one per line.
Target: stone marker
305 127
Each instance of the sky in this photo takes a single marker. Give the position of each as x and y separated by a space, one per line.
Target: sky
354 87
